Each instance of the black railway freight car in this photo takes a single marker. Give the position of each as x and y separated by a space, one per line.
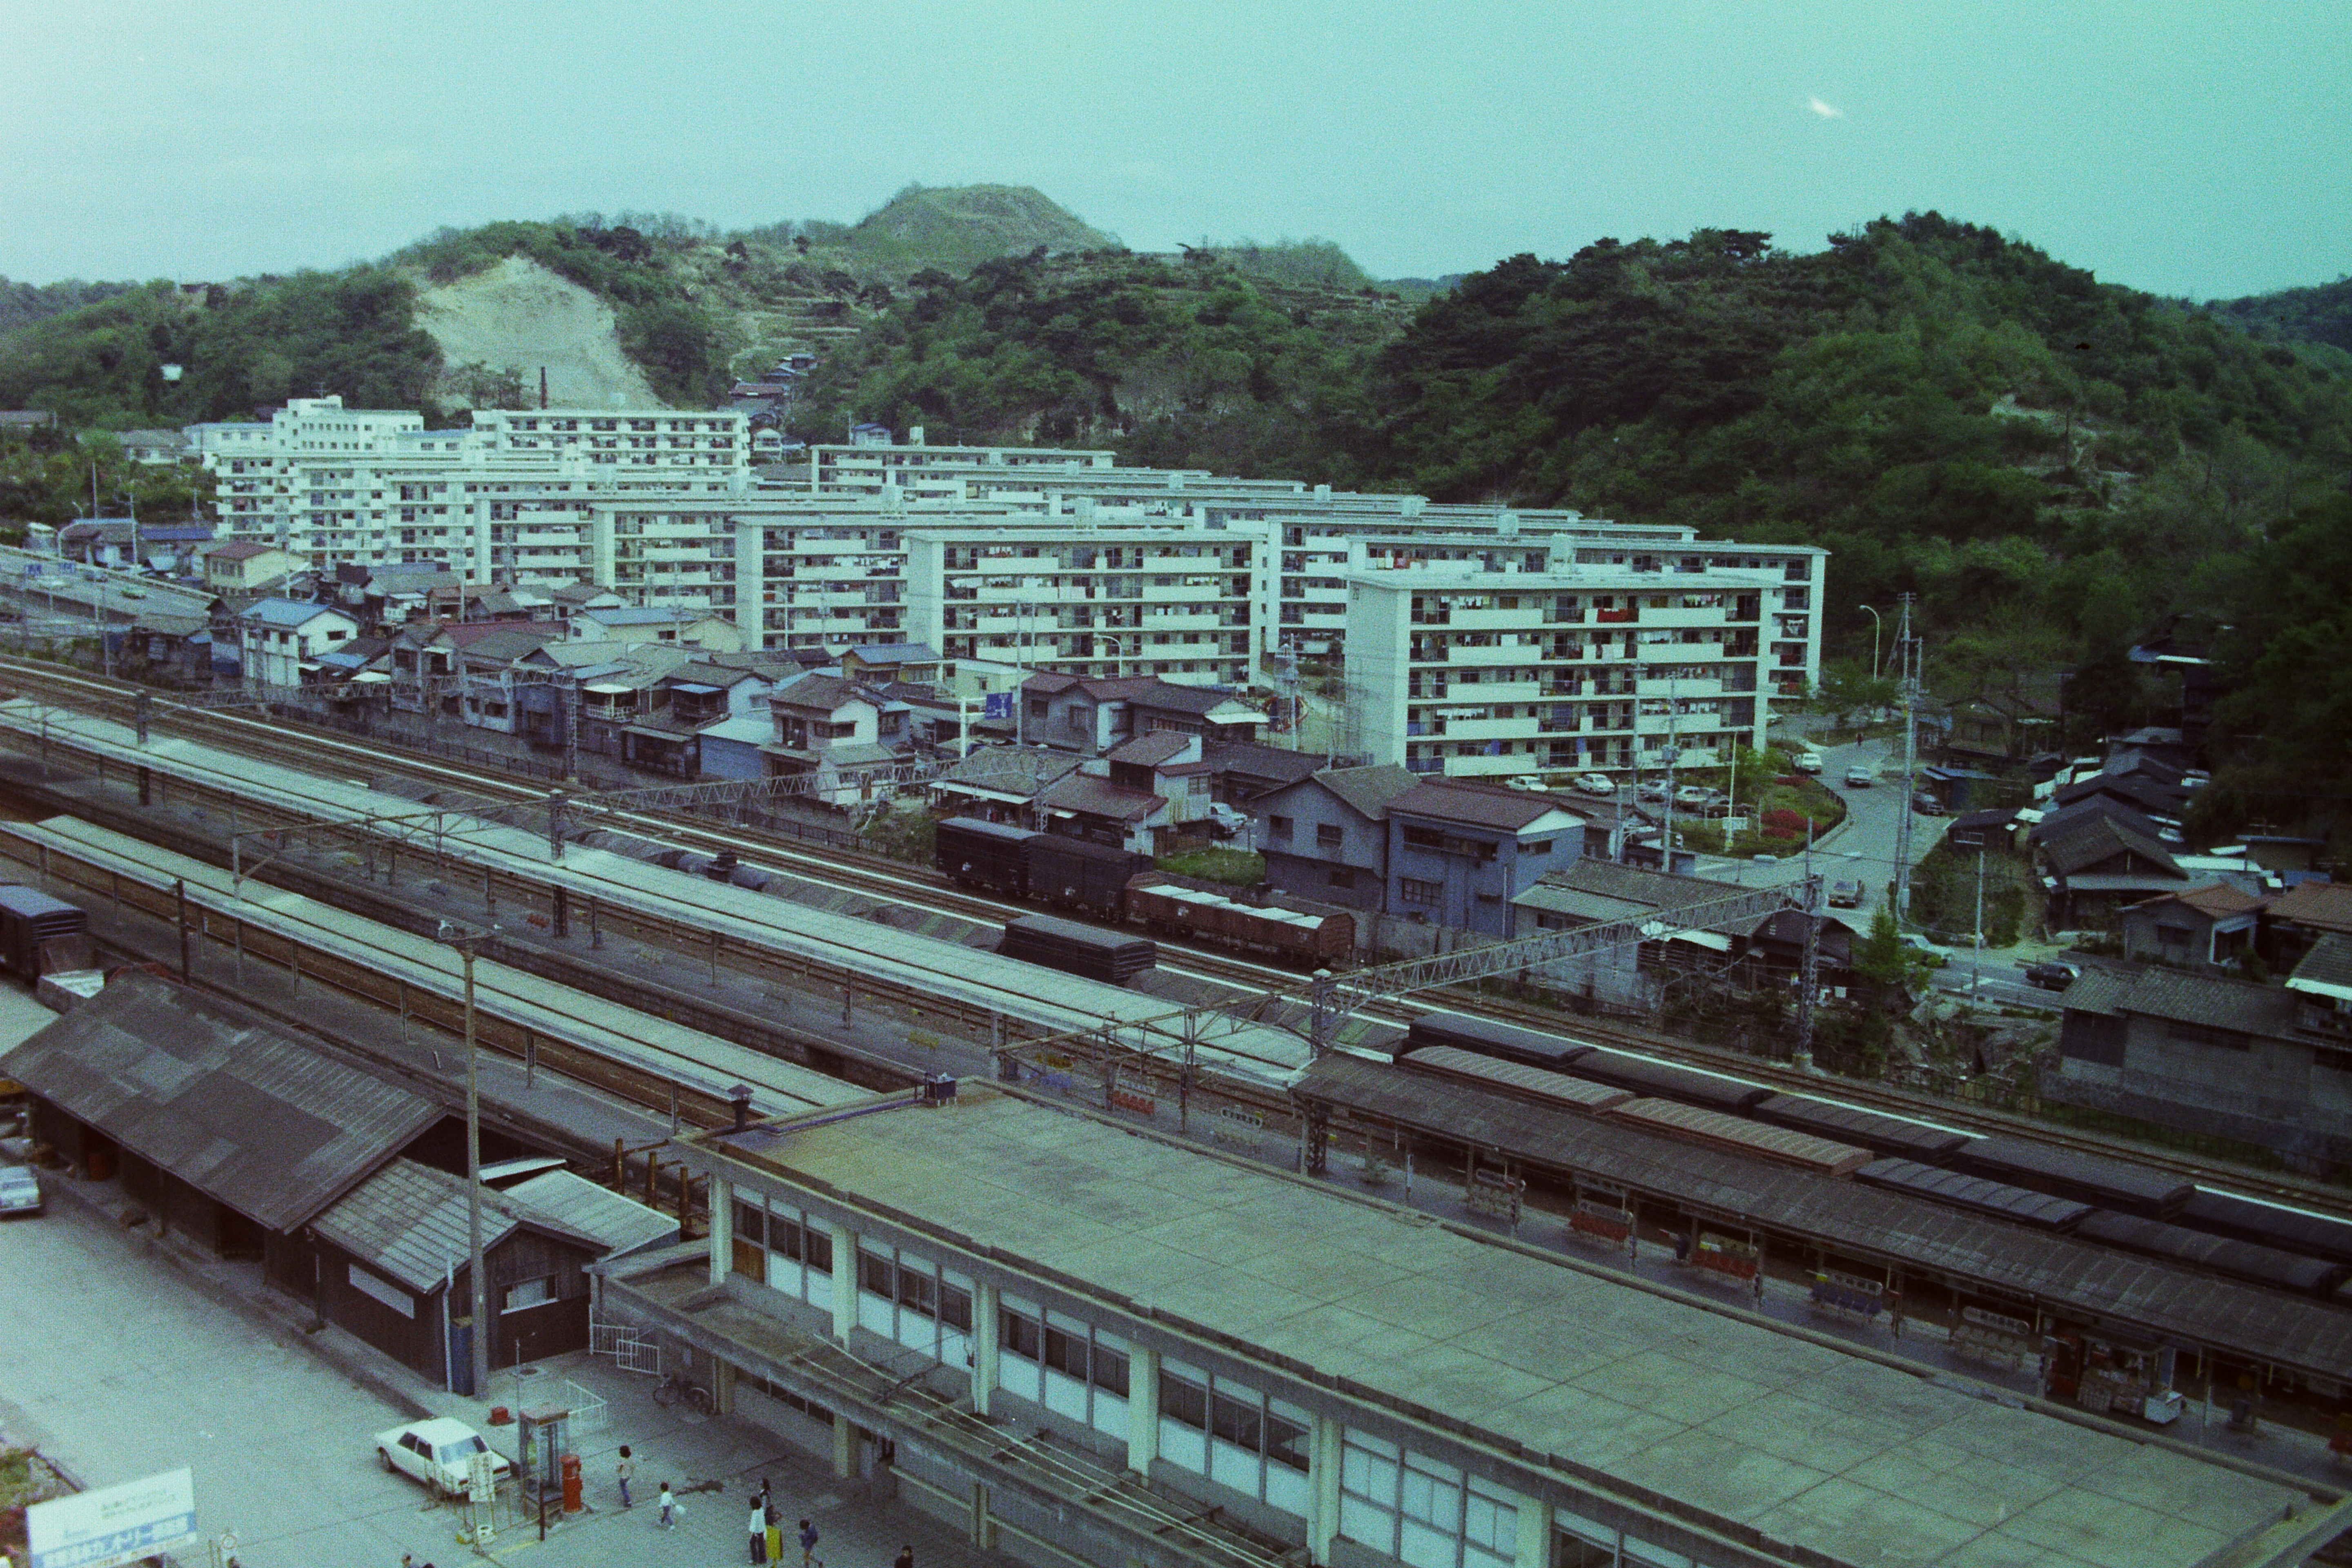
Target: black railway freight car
1112 957
41 935
1895 1135
2239 1259
2267 1225
2087 1178
1073 874
975 854
1489 1038
1664 1080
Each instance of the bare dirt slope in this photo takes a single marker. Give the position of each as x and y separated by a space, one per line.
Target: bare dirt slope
518 315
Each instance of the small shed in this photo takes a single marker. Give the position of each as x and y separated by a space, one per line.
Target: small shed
393 1269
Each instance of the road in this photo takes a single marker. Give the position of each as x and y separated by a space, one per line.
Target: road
117 1367
1862 846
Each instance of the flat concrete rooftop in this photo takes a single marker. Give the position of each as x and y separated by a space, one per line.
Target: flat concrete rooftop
1731 1414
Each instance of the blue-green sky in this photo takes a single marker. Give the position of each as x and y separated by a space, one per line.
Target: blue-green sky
2201 149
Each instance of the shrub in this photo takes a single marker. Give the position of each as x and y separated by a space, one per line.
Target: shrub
1784 824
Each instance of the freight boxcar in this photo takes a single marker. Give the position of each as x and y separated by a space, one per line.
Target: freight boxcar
1490 1038
1895 1135
1171 908
1076 874
2267 1225
1112 957
976 854
1665 1080
41 935
2092 1179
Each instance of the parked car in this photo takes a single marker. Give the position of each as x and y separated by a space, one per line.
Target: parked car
436 1452
1697 794
1846 893
1926 805
1936 956
1657 791
1228 820
2052 974
20 1191
1805 763
1527 783
1597 783
1860 777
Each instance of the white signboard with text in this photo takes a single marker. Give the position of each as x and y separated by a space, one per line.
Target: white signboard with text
114 1525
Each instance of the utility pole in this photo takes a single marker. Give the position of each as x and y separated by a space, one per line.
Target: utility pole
1906 653
1975 975
467 944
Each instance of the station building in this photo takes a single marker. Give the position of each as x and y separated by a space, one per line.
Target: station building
1086 1342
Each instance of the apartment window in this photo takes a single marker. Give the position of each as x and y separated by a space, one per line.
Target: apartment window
1330 835
1278 828
1340 877
915 1301
1413 890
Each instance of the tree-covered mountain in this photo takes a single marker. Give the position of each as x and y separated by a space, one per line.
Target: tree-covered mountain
2054 465
23 303
2319 315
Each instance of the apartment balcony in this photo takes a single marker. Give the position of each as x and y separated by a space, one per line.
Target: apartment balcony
1616 617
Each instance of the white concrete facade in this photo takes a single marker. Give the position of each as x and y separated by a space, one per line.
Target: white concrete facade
1469 673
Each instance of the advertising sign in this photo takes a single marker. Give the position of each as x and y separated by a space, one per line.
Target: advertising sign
114 1525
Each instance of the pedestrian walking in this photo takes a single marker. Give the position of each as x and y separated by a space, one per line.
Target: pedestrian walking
627 1471
758 1531
906 1558
775 1521
668 1506
808 1545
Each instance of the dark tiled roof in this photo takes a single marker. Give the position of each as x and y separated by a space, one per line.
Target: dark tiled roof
1149 750
2078 849
2329 963
1248 759
1637 884
1368 790
823 691
1474 805
1095 797
2057 821
2142 792
218 1098
2171 994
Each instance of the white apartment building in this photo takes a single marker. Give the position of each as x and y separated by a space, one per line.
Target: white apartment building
507 497
1471 673
1190 605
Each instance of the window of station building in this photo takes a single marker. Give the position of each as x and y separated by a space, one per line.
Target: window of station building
1064 1364
776 1244
909 1298
1218 1427
1421 1510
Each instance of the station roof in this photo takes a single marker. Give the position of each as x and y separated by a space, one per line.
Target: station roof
1767 1433
214 1095
2155 1298
409 1221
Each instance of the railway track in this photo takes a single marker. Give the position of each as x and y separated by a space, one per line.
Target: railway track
318 752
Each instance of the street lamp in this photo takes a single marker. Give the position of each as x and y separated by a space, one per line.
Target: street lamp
467 944
1874 625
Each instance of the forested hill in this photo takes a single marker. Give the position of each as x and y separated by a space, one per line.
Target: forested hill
2320 315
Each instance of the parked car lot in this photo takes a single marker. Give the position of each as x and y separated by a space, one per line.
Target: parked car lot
436 1452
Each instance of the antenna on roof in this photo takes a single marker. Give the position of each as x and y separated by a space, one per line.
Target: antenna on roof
543 389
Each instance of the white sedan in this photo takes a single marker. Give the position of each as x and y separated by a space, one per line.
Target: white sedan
1597 783
436 1452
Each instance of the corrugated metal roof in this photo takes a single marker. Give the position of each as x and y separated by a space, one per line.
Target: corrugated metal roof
213 1094
2100 1283
621 1224
409 1221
